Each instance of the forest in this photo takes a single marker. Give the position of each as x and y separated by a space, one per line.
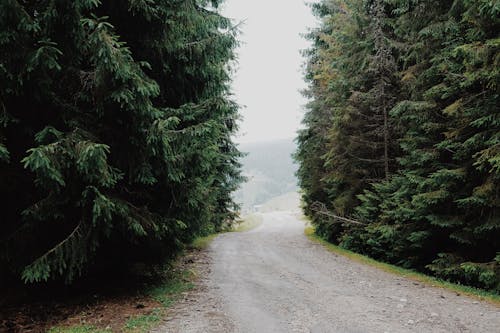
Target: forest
400 151
116 126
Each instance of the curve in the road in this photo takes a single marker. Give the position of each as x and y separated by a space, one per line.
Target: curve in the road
273 279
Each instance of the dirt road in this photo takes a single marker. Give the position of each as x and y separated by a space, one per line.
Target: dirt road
273 279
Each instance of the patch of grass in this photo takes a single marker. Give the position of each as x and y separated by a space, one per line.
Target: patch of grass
201 243
77 329
169 292
145 322
165 293
407 273
248 223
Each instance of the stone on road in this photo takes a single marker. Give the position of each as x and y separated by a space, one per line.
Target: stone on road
273 279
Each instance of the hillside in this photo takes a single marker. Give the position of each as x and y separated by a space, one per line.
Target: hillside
270 172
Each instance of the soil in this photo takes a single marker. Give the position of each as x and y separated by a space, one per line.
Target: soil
101 312
104 304
273 279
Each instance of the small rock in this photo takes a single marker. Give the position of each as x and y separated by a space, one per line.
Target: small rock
411 322
475 302
434 314
442 296
403 300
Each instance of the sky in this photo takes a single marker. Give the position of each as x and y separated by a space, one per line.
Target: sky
269 76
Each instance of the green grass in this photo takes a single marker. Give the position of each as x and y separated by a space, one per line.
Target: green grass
201 243
248 223
144 323
169 292
407 273
166 294
77 329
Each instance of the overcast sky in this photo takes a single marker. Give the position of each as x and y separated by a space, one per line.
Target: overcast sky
269 75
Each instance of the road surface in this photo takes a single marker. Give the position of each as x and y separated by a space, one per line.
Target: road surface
273 279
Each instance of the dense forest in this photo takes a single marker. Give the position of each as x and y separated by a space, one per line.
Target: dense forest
400 151
115 133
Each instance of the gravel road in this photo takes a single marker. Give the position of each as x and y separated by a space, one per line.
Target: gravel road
273 279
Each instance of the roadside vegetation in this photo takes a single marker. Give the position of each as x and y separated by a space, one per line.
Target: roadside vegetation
116 151
143 308
248 223
480 294
148 312
399 157
116 127
138 308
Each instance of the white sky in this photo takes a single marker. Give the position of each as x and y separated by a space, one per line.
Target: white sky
269 72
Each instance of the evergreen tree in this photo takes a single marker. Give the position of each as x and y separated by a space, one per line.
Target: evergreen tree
437 70
116 132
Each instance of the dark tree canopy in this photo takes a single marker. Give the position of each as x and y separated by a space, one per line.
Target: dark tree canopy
115 132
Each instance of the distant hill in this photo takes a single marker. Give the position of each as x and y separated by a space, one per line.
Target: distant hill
270 170
289 201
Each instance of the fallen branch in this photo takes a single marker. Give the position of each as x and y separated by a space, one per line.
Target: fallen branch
320 208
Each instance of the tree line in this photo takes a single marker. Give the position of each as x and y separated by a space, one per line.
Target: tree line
115 133
402 133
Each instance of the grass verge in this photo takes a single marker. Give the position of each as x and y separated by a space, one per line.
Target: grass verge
157 299
201 243
161 296
138 314
77 329
248 223
144 323
403 272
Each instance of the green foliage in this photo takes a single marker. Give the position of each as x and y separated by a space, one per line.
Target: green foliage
115 132
438 210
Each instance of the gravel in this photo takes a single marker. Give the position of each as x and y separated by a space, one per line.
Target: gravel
273 279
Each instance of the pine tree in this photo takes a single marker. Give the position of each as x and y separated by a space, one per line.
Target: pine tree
354 81
123 109
438 211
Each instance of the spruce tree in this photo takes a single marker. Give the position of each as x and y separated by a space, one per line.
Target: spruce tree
437 208
116 132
